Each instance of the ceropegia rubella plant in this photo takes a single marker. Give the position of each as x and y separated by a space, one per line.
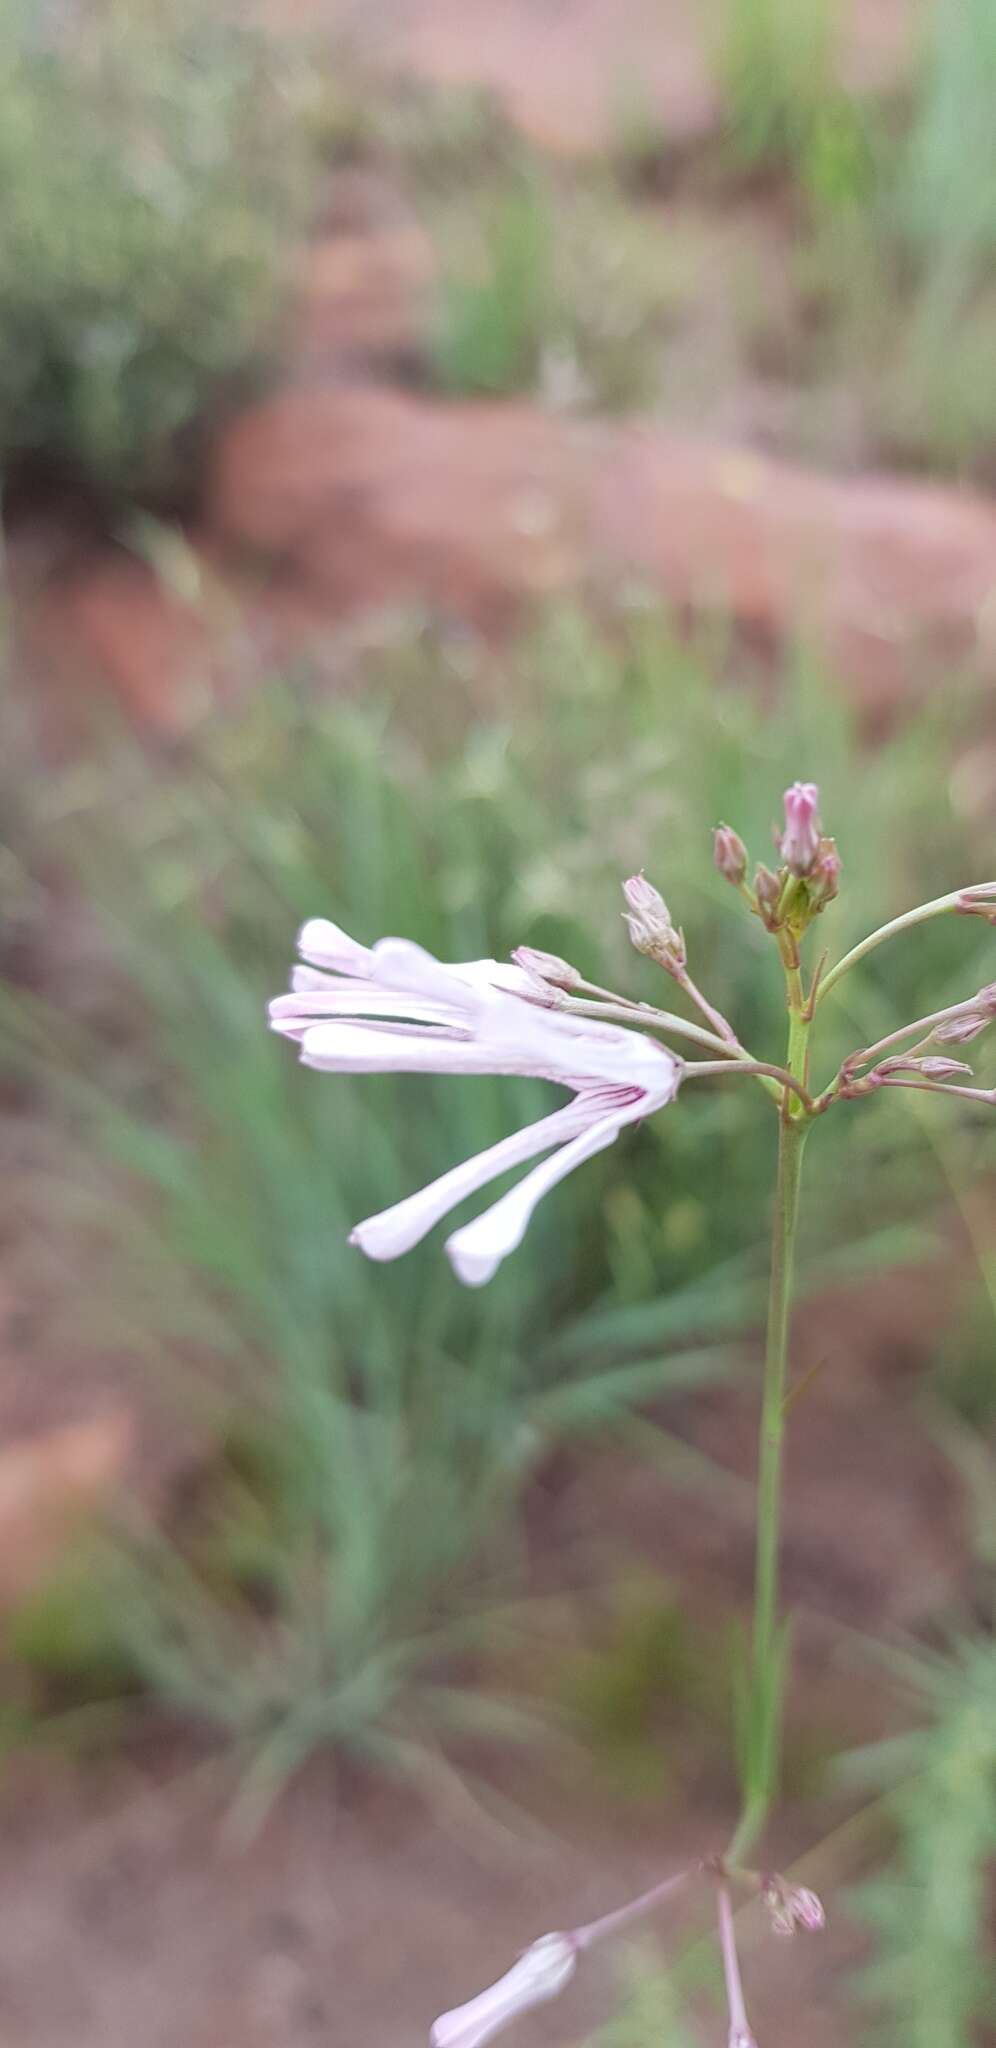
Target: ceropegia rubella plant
392 1008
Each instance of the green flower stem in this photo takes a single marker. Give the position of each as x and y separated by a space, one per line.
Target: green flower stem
658 1020
765 1688
723 1069
936 908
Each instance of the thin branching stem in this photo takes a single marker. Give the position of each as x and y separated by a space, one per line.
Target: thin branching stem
938 907
701 1069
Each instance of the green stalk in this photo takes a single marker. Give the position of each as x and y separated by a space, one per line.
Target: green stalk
767 1649
937 907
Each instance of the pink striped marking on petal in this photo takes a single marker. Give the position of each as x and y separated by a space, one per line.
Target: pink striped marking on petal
476 1251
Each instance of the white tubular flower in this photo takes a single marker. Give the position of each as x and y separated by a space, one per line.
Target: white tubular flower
392 1008
539 1975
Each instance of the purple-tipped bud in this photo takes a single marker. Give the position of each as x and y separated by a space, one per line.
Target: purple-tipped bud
546 967
799 843
650 927
729 854
768 891
539 1975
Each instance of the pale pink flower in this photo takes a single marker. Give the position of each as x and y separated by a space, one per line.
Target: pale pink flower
799 843
392 1008
540 1974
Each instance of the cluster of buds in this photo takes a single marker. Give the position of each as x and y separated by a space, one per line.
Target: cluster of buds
898 1070
809 878
651 927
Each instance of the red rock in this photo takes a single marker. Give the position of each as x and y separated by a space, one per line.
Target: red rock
369 497
374 497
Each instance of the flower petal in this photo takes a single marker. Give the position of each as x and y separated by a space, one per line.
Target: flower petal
370 1048
399 964
359 999
327 945
476 1251
396 1230
539 1975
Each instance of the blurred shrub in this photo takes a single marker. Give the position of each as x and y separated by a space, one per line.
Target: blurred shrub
151 180
198 1186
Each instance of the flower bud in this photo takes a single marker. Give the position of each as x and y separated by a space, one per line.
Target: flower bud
650 926
932 1069
741 2037
978 901
799 843
768 890
791 1906
546 967
961 1030
540 1974
729 854
823 882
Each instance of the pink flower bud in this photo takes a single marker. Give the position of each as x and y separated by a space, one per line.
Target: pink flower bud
729 854
546 967
799 843
768 890
540 1974
824 880
740 2037
961 1030
650 927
